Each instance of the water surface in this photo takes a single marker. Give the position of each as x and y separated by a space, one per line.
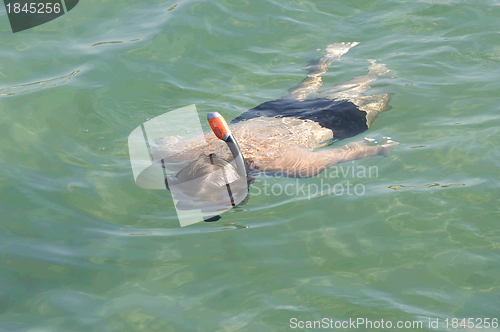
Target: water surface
85 249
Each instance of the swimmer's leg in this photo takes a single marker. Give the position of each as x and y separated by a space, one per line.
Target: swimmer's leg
301 162
316 68
358 85
373 105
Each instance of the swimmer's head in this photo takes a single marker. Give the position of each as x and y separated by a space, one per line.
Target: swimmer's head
207 177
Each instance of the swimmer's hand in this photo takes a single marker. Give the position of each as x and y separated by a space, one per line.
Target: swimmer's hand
387 147
384 145
362 149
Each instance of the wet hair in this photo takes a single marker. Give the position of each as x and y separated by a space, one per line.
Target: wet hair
212 176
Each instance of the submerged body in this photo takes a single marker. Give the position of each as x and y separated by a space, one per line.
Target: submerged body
282 135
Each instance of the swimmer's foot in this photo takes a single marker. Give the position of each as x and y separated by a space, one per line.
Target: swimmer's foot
377 69
356 87
338 49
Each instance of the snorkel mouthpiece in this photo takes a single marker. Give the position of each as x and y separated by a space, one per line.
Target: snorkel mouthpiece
221 130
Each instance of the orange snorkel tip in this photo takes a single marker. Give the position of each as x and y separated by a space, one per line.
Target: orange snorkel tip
219 125
221 130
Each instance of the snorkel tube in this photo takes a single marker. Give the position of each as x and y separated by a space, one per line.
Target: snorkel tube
221 130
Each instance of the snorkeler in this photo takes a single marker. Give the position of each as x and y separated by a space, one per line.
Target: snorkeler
281 136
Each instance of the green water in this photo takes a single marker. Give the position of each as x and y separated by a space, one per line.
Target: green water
83 248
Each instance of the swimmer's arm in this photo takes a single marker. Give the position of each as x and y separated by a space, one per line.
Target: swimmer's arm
358 150
305 163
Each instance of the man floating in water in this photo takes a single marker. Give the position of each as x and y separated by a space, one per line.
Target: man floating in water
281 136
